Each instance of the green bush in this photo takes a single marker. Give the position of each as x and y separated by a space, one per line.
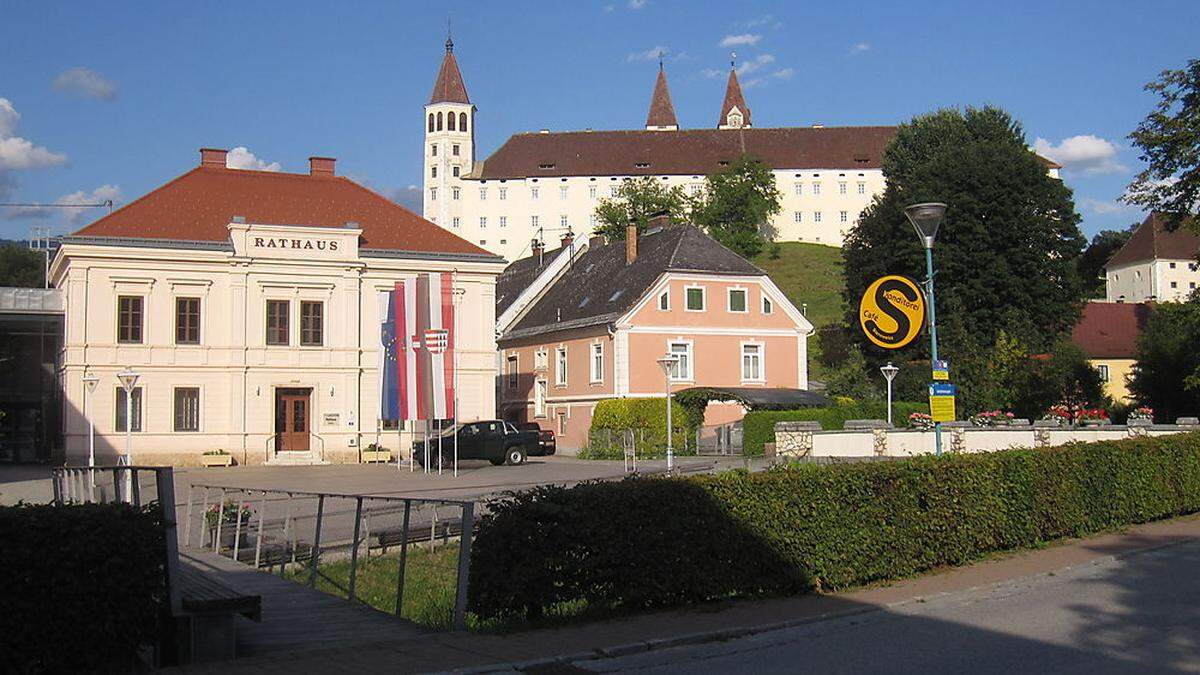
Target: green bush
83 586
657 542
758 427
648 417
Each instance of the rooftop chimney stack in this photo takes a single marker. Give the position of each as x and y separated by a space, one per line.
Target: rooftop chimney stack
631 236
568 238
321 167
659 220
213 157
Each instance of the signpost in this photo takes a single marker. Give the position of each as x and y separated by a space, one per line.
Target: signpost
892 312
941 401
941 371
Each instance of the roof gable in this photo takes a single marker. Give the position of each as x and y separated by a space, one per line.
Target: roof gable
1110 329
734 99
1152 241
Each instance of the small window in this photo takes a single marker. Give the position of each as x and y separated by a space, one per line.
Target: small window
694 299
843 216
431 129
433 171
737 300
456 192
1174 284
137 409
503 221
454 150
462 121
187 321
597 362
539 399
1172 265
433 194
799 187
798 217
455 221
451 122
862 188
533 193
1103 370
560 366
533 221
816 216
454 171
641 165
187 409
511 369
483 222
546 166
841 188
816 188
312 324
682 369
503 194
752 370
767 307
433 150
129 319
592 191
664 301
562 192
277 322
483 194
539 359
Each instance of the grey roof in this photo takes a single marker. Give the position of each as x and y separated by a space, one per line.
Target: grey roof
30 300
519 275
599 287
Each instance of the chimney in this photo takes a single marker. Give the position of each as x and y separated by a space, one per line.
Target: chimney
595 241
659 220
568 238
538 249
630 244
321 167
213 157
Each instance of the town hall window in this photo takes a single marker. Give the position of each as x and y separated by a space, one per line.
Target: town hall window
312 323
129 319
187 409
277 322
136 409
187 321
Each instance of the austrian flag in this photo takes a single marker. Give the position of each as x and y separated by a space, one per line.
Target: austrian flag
417 356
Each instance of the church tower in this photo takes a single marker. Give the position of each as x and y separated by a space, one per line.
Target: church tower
662 113
735 114
449 141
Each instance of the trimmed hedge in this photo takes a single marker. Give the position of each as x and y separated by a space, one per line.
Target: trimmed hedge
83 586
758 427
649 415
652 542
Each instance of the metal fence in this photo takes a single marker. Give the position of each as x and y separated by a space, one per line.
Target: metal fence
282 530
636 443
719 439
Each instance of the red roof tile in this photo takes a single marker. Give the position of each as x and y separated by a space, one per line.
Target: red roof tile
662 112
733 97
449 86
200 204
1110 329
1152 241
687 151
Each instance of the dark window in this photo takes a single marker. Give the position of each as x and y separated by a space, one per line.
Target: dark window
277 322
431 121
439 122
129 318
187 409
451 122
462 121
137 409
187 321
312 324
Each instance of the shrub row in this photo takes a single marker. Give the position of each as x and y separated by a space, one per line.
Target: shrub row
651 542
648 418
758 427
83 586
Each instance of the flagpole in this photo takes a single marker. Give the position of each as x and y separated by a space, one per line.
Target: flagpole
457 300
439 447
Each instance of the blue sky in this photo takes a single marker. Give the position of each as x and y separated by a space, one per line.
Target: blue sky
111 101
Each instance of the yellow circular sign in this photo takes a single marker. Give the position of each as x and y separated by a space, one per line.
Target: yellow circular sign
892 311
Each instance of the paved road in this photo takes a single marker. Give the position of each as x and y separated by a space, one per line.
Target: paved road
1139 614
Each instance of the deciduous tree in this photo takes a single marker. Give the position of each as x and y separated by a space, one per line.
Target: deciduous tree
636 200
737 205
1169 139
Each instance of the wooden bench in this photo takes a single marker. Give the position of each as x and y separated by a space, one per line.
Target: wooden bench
207 630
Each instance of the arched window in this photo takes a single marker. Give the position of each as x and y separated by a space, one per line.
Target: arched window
450 122
431 121
462 121
439 125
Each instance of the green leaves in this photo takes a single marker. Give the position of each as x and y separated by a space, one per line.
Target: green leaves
1167 366
737 206
636 200
1169 139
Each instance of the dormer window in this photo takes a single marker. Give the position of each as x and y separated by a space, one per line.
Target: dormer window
546 167
723 162
641 165
734 119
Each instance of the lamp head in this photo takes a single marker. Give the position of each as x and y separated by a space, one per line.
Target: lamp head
128 379
90 381
925 219
667 362
889 371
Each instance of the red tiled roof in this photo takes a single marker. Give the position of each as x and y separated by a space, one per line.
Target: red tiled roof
733 97
662 112
687 151
449 86
200 204
1151 241
1110 329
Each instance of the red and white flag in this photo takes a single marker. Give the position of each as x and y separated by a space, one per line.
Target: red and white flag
418 340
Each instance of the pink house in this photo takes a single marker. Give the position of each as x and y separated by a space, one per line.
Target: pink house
589 321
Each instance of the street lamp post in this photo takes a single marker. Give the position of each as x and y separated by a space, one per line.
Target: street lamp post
128 380
89 385
889 373
925 219
667 362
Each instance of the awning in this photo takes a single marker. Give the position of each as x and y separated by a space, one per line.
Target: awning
760 398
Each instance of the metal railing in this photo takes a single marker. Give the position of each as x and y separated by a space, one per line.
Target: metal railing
268 529
274 438
121 483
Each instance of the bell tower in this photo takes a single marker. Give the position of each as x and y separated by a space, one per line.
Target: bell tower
449 151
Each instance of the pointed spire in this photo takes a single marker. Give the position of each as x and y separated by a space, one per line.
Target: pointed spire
662 112
734 111
449 86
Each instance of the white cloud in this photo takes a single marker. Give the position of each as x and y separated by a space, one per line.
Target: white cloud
860 48
754 64
86 82
18 153
737 40
1085 153
637 4
651 54
1101 207
783 74
711 73
765 20
241 158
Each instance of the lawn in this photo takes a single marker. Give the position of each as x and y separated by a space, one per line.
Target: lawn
809 274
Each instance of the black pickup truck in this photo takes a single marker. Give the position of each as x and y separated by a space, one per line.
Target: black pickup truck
494 440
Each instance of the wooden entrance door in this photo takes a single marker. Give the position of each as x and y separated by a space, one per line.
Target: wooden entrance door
293 413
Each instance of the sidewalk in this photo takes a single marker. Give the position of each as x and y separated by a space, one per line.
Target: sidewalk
457 651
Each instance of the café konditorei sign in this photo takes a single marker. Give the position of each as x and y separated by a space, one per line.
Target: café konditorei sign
892 311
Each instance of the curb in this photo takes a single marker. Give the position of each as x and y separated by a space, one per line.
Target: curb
726 634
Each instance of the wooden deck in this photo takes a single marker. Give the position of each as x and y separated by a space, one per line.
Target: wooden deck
296 617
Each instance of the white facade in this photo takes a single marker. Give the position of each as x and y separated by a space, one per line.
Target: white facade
229 371
1162 280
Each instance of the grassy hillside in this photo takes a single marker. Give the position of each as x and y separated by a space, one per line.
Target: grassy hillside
809 273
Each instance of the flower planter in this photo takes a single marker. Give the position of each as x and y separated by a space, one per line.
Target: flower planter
229 535
216 460
369 456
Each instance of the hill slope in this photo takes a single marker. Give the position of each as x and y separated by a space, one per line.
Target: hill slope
809 274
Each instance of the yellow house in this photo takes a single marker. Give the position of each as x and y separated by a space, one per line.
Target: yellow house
1107 333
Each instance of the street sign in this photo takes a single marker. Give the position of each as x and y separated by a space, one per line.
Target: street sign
892 311
941 401
941 371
